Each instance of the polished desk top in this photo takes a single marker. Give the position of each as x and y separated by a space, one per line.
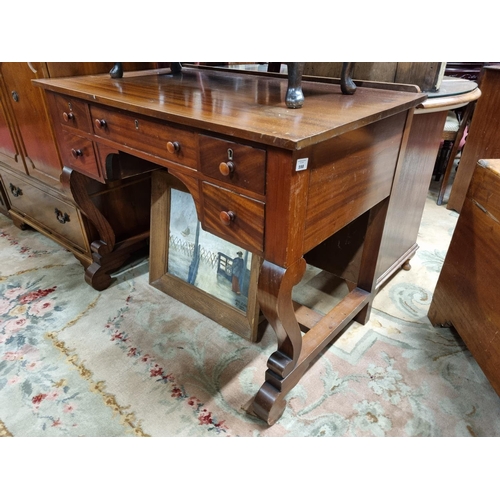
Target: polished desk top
245 106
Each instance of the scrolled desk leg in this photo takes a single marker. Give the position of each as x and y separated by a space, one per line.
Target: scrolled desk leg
97 274
275 299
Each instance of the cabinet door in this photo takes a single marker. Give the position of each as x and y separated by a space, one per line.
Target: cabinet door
29 108
9 151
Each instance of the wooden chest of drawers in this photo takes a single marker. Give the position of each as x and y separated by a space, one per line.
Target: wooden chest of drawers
31 162
46 210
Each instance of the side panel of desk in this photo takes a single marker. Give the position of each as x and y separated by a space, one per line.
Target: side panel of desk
409 191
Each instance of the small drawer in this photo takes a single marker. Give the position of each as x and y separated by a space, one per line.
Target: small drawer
148 135
50 212
71 112
236 218
78 153
236 164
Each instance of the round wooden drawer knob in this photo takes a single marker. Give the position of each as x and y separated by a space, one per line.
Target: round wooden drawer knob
226 168
173 147
76 153
100 124
68 116
227 217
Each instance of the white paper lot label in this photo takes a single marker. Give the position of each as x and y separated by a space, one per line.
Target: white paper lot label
301 164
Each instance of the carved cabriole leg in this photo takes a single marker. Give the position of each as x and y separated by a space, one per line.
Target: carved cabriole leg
275 299
294 95
176 67
117 70
346 84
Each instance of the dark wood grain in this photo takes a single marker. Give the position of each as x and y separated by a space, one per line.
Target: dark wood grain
149 135
248 164
246 227
78 152
360 164
42 158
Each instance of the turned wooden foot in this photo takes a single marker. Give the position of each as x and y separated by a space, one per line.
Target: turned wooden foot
406 265
19 223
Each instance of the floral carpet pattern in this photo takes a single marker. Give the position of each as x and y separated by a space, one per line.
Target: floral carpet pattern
131 361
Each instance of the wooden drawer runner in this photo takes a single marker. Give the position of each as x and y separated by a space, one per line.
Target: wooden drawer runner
53 213
236 164
236 218
146 134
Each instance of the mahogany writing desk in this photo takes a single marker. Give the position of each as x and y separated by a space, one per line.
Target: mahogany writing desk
274 180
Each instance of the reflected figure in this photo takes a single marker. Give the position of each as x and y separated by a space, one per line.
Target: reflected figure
236 273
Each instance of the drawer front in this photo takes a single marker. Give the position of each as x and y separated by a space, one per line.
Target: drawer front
71 112
236 218
146 135
4 201
53 213
78 153
235 164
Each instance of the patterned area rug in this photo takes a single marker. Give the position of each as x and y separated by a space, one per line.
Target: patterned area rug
131 361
